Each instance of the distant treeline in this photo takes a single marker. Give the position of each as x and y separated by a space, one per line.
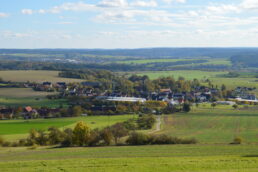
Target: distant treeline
144 52
245 60
24 65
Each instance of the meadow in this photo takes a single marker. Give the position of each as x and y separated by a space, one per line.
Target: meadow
37 76
187 74
219 125
163 158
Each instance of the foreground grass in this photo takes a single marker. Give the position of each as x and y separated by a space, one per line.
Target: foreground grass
180 158
16 129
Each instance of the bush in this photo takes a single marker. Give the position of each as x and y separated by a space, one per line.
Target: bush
107 136
136 138
146 121
237 140
95 137
68 138
6 144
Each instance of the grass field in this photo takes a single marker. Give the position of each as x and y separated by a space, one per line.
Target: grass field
219 125
162 158
16 129
34 76
214 77
191 74
210 61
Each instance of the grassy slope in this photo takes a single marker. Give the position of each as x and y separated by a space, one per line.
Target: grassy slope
180 158
16 129
34 76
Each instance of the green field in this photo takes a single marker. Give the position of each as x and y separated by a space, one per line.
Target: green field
219 125
187 74
210 61
34 76
16 129
162 158
215 77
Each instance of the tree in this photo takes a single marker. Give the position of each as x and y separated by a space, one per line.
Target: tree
223 87
213 105
107 136
76 111
81 134
118 130
55 135
235 106
186 107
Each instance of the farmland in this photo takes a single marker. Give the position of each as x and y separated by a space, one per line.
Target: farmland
180 158
34 76
146 61
189 75
219 125
27 97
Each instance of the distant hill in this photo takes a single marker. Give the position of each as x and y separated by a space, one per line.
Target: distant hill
143 52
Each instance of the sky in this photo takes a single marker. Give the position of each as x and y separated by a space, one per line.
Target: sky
128 23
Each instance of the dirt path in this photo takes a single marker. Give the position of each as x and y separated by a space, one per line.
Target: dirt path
158 124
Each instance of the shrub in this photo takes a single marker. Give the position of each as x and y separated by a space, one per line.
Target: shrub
68 138
146 121
237 140
55 136
6 144
136 138
95 137
107 136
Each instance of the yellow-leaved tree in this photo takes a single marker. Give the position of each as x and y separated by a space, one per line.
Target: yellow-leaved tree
81 134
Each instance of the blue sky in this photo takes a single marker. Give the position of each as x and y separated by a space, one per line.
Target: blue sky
128 23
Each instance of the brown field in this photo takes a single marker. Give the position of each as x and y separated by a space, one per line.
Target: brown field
34 76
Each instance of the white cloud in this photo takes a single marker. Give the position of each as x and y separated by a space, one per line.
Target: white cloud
249 4
27 11
140 3
113 3
3 15
171 1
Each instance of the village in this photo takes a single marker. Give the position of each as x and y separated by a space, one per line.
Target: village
107 102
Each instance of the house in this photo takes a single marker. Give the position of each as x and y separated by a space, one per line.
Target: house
47 84
91 84
6 113
29 113
226 103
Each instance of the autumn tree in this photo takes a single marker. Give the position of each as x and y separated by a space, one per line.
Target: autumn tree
81 134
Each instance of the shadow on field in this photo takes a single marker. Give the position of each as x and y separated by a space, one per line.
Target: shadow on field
251 156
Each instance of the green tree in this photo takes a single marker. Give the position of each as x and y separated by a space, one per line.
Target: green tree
118 130
186 107
81 134
76 111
